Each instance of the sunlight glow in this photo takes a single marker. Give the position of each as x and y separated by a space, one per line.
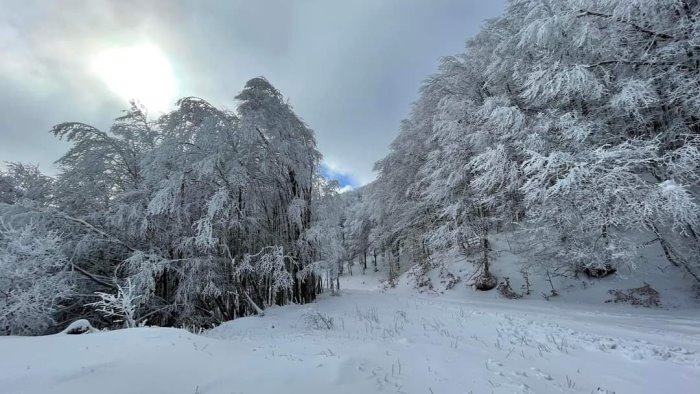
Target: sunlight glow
140 72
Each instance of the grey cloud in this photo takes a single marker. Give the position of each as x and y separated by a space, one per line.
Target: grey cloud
350 68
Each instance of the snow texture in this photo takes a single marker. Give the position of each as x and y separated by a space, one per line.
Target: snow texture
397 342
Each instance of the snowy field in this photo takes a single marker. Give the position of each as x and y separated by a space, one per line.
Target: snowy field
393 342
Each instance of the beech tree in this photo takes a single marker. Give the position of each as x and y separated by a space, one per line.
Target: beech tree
205 213
24 183
573 121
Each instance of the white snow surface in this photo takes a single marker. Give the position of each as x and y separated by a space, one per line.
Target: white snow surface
396 341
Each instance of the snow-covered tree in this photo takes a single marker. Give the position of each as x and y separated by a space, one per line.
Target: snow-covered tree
573 121
23 183
202 209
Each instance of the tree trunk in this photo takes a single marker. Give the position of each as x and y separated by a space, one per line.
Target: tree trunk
374 254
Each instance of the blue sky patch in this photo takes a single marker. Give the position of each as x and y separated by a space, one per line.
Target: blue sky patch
345 181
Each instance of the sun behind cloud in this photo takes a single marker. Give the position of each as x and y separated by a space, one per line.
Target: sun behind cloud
141 72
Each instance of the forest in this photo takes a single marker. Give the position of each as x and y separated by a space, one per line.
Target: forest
572 126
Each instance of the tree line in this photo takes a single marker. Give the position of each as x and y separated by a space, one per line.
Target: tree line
197 217
573 124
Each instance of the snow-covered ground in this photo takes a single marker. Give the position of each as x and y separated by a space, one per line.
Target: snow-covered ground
675 289
392 341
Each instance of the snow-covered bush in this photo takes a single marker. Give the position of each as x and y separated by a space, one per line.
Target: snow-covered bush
121 307
645 296
318 321
506 291
34 278
79 327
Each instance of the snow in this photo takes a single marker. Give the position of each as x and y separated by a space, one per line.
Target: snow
394 340
81 326
669 186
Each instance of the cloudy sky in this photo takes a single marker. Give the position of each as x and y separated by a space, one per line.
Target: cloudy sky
350 68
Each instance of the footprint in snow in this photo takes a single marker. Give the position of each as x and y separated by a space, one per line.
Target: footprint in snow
493 364
541 374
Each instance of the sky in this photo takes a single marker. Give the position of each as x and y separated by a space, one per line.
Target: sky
350 69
